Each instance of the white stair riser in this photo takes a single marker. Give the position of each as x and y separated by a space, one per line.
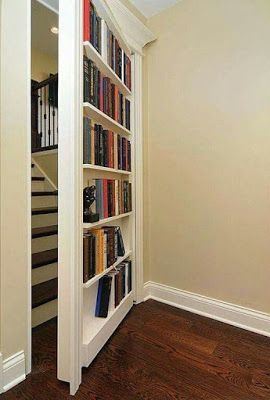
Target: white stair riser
44 201
44 313
38 186
44 220
44 274
44 243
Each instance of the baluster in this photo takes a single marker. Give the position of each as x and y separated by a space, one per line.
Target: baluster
45 115
49 106
53 112
40 117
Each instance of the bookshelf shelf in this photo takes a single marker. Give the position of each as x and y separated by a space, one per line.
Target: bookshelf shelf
106 169
103 119
100 329
106 70
97 277
106 220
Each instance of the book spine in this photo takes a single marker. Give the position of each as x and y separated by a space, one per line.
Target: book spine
86 80
104 250
115 151
86 20
105 198
116 197
86 261
92 158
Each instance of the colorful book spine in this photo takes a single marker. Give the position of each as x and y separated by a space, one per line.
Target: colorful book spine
101 249
113 197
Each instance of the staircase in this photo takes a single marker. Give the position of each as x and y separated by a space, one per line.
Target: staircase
44 249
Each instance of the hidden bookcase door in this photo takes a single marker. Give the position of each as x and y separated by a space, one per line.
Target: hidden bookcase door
100 182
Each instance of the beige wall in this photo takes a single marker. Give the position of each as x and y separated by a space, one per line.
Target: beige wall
43 65
15 176
208 150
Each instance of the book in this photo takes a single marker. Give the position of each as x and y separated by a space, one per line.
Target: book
104 147
105 95
103 296
86 20
101 249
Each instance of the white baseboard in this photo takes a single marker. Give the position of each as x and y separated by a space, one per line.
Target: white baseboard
12 371
245 318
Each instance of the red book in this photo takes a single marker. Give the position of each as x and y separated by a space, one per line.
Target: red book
116 95
105 198
86 20
101 99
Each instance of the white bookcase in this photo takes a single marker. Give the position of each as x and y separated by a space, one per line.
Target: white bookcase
80 334
96 331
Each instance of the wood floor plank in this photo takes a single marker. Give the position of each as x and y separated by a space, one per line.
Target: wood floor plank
158 353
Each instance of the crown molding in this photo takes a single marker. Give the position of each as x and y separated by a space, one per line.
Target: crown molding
136 33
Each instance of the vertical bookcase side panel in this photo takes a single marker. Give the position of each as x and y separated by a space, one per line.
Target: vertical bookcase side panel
70 194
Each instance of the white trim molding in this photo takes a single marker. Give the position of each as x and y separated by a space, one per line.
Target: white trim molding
12 371
245 318
136 33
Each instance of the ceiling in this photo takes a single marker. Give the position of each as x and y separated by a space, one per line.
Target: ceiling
151 7
43 19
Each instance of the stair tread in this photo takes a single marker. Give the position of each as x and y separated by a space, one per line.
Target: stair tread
38 178
44 292
44 231
44 258
45 193
44 210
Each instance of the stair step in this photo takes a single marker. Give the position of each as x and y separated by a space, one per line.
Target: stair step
44 210
44 258
38 178
44 231
44 292
39 194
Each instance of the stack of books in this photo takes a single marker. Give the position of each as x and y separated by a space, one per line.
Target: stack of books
117 59
113 288
113 197
92 25
105 95
101 249
105 148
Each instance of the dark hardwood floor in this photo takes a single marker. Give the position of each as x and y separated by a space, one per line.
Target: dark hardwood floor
159 353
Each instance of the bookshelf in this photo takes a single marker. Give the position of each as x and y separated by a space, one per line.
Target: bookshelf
105 120
95 330
106 169
81 335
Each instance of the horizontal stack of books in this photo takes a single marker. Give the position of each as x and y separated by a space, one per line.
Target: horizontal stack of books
117 59
113 197
105 148
113 288
105 95
101 249
92 25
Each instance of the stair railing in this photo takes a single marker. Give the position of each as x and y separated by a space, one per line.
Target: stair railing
44 114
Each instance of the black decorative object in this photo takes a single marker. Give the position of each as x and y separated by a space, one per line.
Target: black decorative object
88 200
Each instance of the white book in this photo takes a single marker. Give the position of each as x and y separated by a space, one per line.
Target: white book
104 37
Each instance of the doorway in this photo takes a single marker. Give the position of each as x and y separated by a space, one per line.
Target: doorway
44 182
